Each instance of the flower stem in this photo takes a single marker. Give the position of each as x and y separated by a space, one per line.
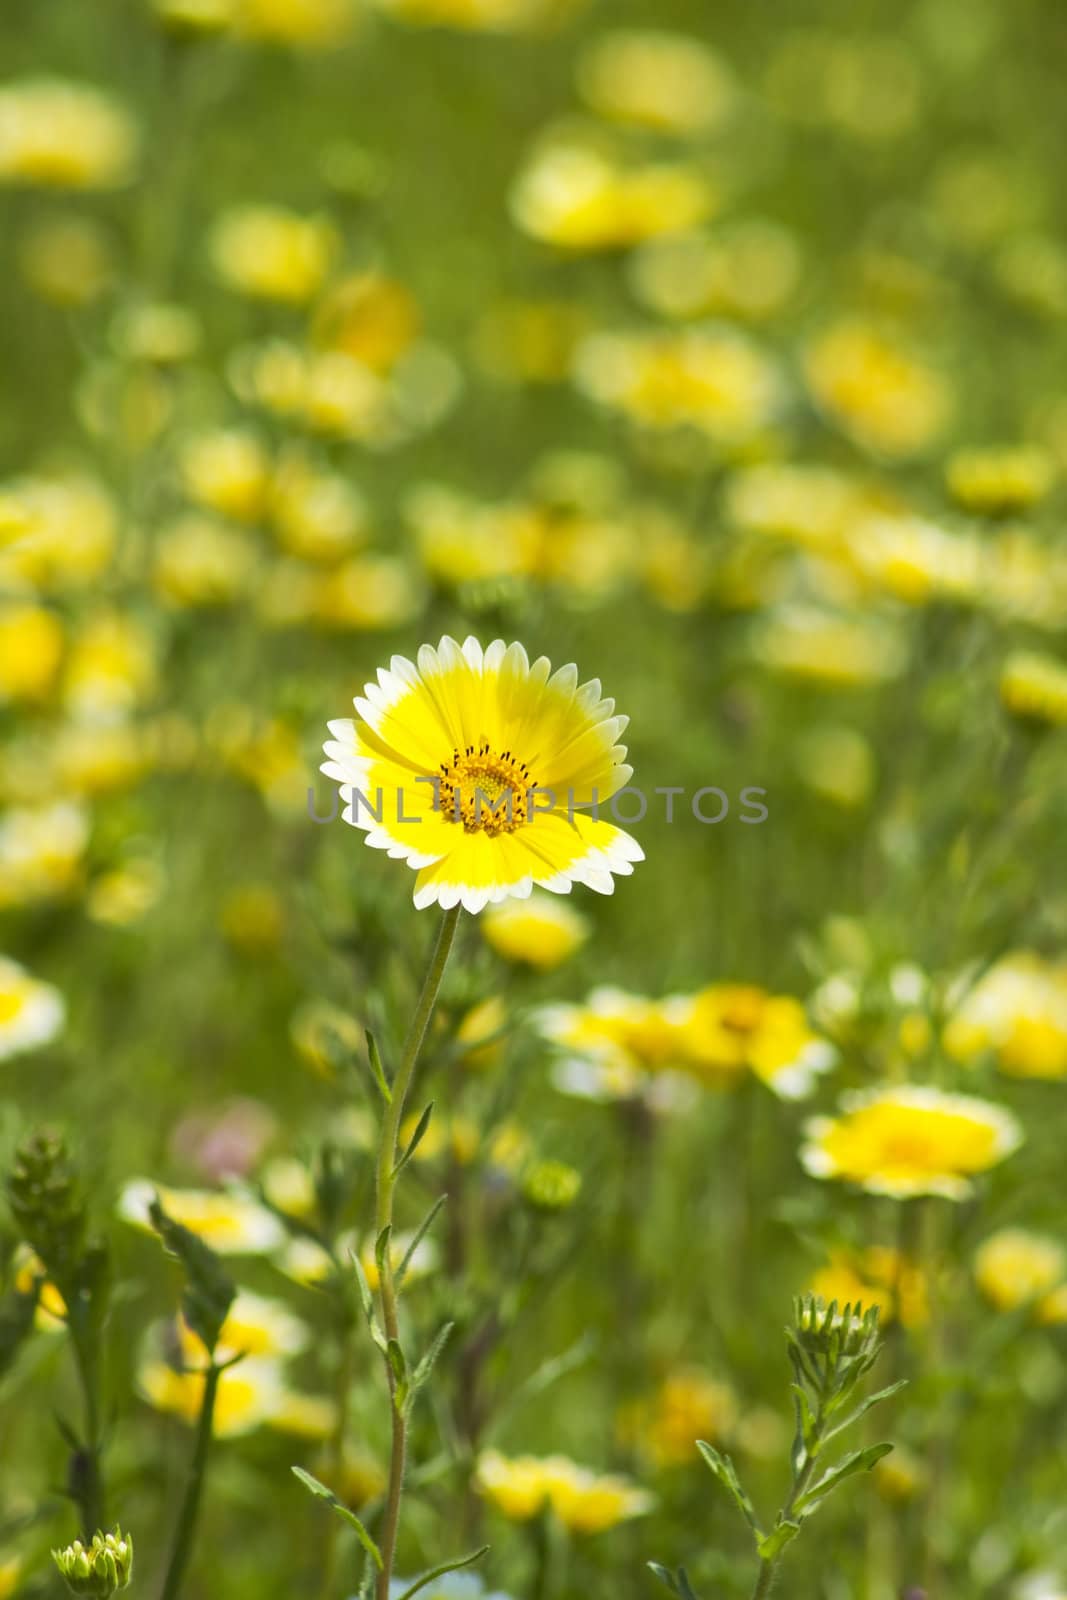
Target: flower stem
187 1517
385 1188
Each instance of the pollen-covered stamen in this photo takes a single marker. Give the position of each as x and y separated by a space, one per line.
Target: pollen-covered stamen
485 791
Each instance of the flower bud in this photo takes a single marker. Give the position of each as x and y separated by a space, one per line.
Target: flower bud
100 1569
551 1186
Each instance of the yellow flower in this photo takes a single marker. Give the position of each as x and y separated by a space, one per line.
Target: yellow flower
289 1186
306 1416
255 1325
201 562
523 1486
27 1269
227 471
230 1222
540 932
317 515
31 646
98 758
31 1012
1016 1268
837 763
41 850
578 198
917 561
366 592
734 1026
271 254
490 16
1034 687
325 1036
910 1140
62 135
120 898
10 1572
249 1394
900 1476
480 1032
111 666
492 759
877 1276
655 80
72 526
999 481
837 651
311 24
1018 1010
888 400
689 1404
369 317
709 378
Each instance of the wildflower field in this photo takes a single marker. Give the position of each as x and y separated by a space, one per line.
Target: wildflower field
533 777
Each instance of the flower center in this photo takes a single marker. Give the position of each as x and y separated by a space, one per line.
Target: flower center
486 792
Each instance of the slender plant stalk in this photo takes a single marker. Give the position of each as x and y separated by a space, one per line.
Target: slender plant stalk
187 1517
388 1152
90 1487
801 1479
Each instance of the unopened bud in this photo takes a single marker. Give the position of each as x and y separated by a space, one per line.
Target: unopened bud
101 1568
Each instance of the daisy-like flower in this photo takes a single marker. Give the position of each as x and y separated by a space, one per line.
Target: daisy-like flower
585 1502
232 1223
31 1012
484 771
1015 1268
910 1139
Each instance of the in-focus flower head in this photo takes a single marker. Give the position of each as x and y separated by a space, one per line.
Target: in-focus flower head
496 761
910 1139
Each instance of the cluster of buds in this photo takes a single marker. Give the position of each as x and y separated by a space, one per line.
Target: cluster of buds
101 1568
47 1202
832 1347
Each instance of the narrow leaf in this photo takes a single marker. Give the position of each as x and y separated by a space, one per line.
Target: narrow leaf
724 1470
439 1572
209 1289
322 1493
859 1461
425 1367
420 1233
665 1577
377 1069
871 1400
415 1140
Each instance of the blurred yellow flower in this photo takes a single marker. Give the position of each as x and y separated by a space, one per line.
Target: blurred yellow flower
523 1486
877 1276
1000 481
199 561
268 253
688 1405
228 471
917 561
900 1476
31 1012
540 932
98 758
111 666
1018 1011
710 378
249 1394
1034 687
479 1035
10 1573
1015 1268
369 317
490 16
661 81
316 514
57 134
70 538
466 720
31 647
310 23
255 1325
232 1223
120 898
888 400
731 1027
253 918
838 651
579 198
836 763
41 851
366 592
910 1140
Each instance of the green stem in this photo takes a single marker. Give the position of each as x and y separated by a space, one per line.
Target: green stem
385 1187
801 1479
90 1484
190 1507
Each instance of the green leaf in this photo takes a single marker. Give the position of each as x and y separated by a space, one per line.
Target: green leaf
415 1140
322 1493
859 1461
381 1249
209 1289
685 1588
665 1576
425 1367
376 1067
724 1470
871 1400
806 1427
439 1572
783 1533
420 1233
